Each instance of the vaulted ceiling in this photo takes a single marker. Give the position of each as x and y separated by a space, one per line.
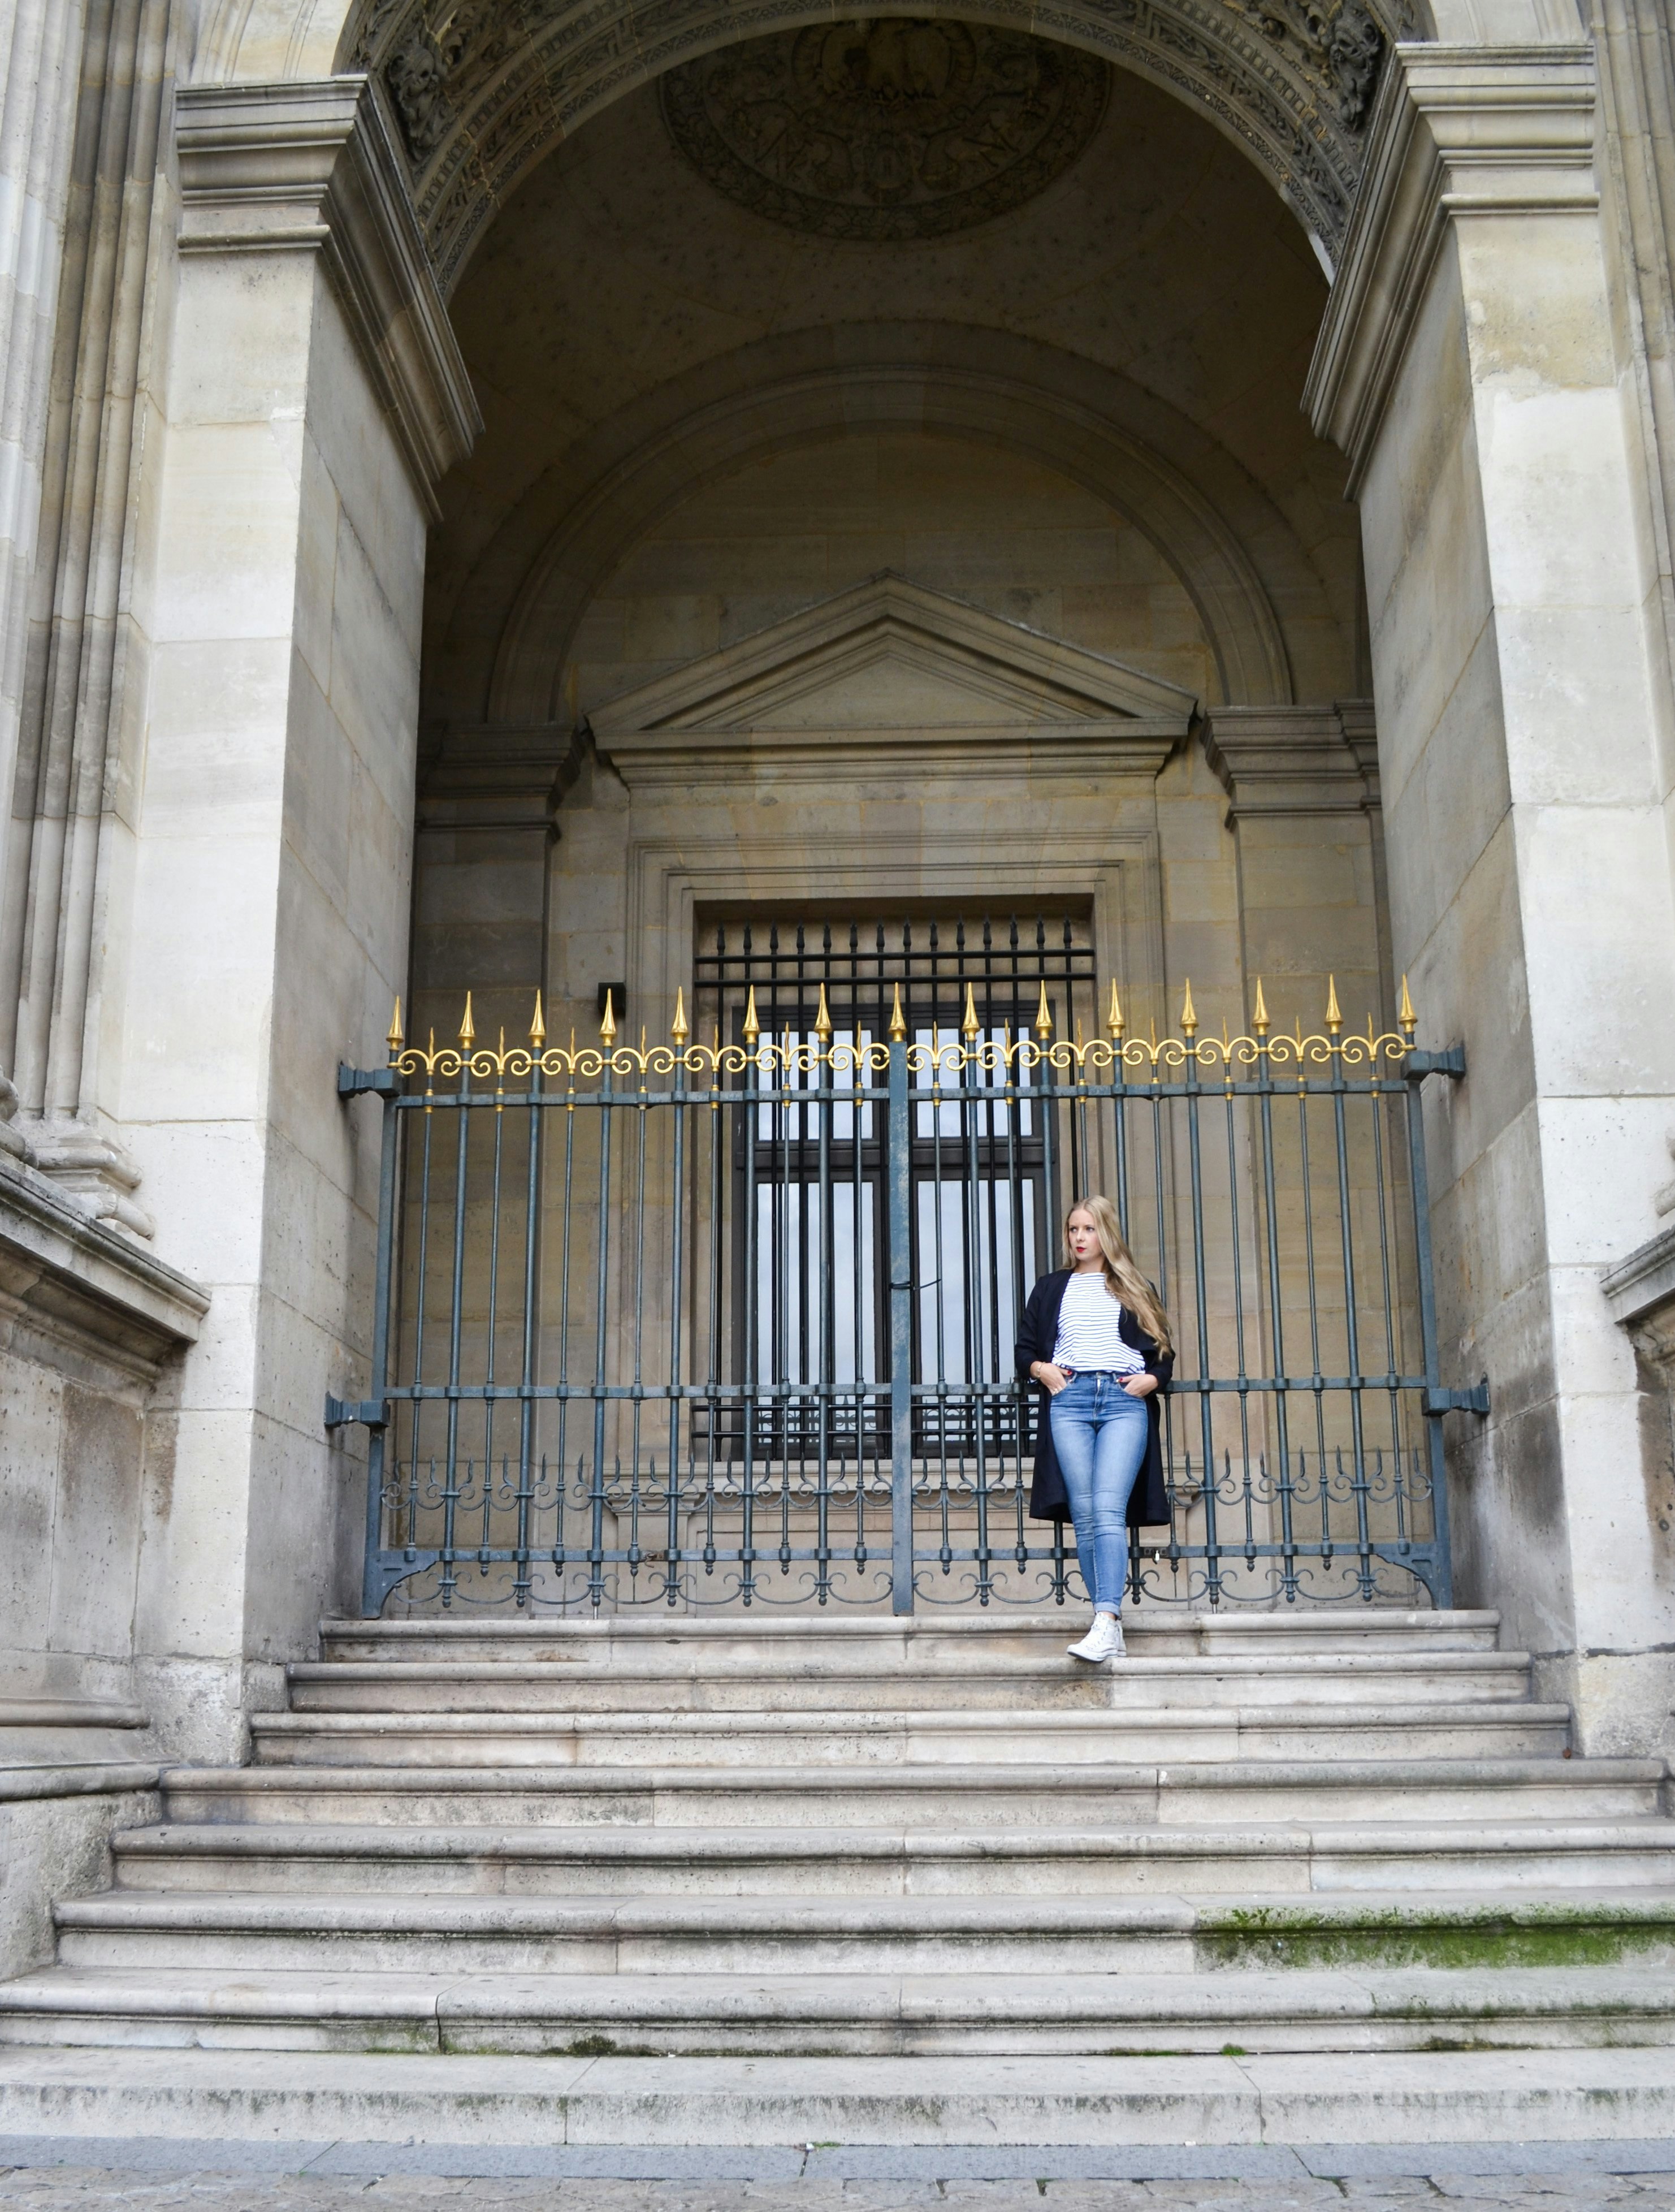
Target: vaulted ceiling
485 89
649 350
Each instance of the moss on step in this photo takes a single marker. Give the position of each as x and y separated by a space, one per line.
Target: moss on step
1498 1932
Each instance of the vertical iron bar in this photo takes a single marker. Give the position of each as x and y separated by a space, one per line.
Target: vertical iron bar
596 1581
1442 1585
372 1586
898 1137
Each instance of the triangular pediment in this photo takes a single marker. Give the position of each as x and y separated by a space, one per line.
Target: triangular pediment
889 656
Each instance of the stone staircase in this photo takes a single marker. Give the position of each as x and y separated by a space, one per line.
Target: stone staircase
798 1838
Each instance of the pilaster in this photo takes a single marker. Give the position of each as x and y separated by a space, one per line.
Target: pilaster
1467 367
1302 807
273 168
314 395
486 821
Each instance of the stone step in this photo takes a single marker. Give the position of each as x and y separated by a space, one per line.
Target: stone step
1411 1728
415 1932
776 2016
1363 2098
688 1678
603 1861
938 1795
1155 1630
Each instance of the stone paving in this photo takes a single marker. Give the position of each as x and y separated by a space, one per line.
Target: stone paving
81 2189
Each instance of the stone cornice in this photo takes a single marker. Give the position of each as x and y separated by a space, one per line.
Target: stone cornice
1643 1285
1458 132
1024 674
1294 760
948 760
78 1279
985 699
268 168
497 776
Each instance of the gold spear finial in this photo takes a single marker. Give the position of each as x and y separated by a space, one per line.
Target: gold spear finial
467 1028
1334 1019
538 1027
1259 1017
1406 1016
898 1020
678 1028
394 1039
969 1026
1189 1020
752 1026
1113 1014
1043 1015
822 1019
608 1023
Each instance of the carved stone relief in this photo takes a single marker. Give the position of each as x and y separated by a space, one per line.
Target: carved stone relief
483 88
887 128
1337 46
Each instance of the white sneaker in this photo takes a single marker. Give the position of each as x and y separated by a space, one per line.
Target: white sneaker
1102 1641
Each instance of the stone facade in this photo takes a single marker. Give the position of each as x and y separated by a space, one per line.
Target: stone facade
419 487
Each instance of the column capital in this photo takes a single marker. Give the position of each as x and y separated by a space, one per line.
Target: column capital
1459 132
1295 760
497 776
311 166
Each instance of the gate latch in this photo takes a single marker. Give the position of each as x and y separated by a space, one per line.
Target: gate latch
1474 1400
371 1412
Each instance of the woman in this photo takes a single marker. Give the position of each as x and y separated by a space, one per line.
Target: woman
1095 1341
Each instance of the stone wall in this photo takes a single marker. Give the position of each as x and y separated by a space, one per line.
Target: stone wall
997 528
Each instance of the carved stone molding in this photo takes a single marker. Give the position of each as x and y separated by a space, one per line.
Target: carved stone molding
268 168
484 89
890 680
496 775
1641 1294
83 1287
1459 133
1295 760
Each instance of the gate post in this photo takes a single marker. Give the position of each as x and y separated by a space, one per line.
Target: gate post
898 1229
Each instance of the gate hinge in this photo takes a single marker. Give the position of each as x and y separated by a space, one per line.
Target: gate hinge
355 1082
372 1412
1474 1400
1451 1063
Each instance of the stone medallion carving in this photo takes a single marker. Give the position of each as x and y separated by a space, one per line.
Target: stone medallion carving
889 127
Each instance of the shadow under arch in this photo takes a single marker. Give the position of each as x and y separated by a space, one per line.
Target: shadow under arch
484 102
1235 553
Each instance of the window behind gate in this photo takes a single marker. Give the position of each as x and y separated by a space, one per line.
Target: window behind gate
807 1290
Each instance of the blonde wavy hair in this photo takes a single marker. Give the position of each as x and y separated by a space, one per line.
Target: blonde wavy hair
1122 1277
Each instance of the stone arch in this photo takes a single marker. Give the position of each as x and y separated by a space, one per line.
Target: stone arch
1254 587
484 90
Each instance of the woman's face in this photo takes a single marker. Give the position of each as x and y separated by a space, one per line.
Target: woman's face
1082 1236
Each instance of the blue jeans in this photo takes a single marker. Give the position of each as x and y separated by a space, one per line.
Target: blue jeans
1100 1434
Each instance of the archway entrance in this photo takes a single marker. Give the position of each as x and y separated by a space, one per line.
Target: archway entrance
916 531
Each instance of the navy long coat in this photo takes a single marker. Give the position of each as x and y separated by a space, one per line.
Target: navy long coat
1038 1332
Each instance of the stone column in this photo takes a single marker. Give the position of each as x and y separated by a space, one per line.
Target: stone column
1467 366
315 393
1302 804
80 724
41 41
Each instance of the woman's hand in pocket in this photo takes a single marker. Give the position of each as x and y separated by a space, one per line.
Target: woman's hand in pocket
1140 1386
1052 1379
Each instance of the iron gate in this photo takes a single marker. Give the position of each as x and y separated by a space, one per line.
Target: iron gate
729 1320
